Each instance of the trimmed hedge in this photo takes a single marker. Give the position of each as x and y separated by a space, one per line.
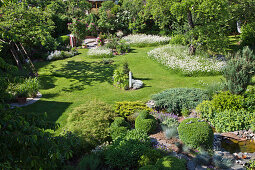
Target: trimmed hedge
125 109
171 163
196 133
176 99
119 127
145 122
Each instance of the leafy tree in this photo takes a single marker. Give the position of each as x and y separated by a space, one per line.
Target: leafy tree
205 18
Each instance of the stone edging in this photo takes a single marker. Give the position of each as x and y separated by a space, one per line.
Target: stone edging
29 101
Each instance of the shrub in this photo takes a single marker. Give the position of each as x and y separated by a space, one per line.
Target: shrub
126 151
32 85
230 120
249 100
119 127
91 121
58 55
151 157
226 100
171 163
174 100
206 110
120 79
91 162
125 108
169 126
145 122
122 47
178 39
248 34
63 40
149 167
239 71
196 133
100 52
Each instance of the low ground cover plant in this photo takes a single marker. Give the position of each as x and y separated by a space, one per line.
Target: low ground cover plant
143 40
176 57
100 52
58 55
175 99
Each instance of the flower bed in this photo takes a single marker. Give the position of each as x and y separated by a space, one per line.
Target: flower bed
177 58
143 40
100 52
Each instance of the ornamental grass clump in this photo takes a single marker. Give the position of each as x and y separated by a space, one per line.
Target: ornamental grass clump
143 40
100 52
177 58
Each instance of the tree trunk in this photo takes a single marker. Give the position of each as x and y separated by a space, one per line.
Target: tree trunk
192 47
15 56
190 20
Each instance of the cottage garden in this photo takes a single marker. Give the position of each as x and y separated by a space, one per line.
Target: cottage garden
128 85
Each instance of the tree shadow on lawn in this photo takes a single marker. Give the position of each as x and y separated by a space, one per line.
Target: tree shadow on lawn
53 109
86 73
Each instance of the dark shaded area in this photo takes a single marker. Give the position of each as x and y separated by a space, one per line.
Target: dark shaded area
53 109
80 73
234 146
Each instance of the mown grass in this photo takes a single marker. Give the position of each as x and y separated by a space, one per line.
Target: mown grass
71 82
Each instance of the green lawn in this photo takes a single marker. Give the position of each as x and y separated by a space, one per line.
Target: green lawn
68 83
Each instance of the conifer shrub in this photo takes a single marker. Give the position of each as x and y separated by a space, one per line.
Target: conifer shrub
176 99
239 71
145 122
196 133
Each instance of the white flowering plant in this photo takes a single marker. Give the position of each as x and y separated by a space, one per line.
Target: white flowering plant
143 40
100 52
176 57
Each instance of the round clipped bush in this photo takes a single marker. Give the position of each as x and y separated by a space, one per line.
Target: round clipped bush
119 127
196 133
171 163
150 157
149 167
145 122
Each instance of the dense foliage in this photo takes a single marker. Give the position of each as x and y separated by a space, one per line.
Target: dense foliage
91 121
119 127
196 133
175 99
146 122
239 71
25 144
126 108
126 151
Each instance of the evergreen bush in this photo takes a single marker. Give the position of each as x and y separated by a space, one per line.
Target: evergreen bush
239 71
196 133
145 122
175 99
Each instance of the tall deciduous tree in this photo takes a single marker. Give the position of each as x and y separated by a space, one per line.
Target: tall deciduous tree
206 20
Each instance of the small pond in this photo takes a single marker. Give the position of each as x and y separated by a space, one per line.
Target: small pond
235 146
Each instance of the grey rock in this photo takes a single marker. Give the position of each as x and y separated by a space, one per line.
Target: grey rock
199 167
137 84
182 156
